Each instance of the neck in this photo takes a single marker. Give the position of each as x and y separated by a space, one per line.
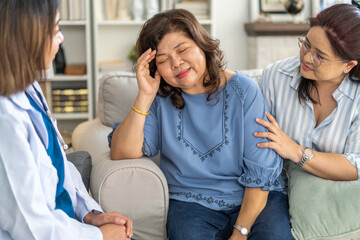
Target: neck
330 85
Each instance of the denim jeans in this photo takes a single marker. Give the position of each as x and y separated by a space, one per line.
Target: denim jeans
194 221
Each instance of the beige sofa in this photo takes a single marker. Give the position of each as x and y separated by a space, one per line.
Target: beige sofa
319 209
136 188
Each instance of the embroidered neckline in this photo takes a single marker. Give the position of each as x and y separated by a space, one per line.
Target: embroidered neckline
225 131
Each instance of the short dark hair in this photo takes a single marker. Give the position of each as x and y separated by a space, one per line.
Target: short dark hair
341 23
180 20
26 27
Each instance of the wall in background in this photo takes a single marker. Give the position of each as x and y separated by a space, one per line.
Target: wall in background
230 16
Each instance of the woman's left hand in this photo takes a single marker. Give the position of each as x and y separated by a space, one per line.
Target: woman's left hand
279 141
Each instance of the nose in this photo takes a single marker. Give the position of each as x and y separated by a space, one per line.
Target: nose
176 61
60 37
307 56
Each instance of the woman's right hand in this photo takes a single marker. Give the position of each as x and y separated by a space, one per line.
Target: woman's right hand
114 232
147 84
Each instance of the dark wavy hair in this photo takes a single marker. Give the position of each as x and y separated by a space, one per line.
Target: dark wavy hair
341 23
180 20
26 27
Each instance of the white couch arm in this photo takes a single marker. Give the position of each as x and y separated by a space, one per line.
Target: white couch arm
135 188
91 136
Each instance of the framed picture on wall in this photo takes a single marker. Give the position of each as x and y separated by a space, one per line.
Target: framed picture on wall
272 6
274 11
319 5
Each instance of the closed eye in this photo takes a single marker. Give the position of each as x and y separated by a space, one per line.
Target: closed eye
183 50
163 61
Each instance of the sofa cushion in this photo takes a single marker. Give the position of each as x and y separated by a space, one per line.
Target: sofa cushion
117 92
322 209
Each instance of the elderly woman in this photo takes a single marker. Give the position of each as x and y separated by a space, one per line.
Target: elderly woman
201 117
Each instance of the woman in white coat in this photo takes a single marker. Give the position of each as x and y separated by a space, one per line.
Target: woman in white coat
42 195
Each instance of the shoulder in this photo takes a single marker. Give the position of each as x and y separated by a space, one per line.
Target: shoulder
12 117
8 107
285 66
161 104
15 106
243 85
281 73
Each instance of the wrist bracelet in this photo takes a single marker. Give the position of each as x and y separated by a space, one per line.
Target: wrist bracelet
138 111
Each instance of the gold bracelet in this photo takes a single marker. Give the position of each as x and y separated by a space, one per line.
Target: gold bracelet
138 111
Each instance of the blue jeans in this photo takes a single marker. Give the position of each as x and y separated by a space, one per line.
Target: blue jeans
194 221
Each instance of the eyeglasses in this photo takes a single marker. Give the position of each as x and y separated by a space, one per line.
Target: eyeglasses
355 3
316 59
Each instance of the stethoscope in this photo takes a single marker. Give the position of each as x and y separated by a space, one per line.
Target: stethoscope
48 113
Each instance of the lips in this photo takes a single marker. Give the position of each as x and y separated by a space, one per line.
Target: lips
183 73
305 67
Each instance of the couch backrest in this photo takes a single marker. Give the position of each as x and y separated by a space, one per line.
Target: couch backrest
118 90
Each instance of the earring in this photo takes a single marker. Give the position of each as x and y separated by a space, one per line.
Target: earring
346 70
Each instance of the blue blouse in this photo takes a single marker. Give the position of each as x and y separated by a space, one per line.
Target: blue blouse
208 149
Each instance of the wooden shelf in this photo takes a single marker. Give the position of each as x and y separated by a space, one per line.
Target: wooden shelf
71 116
271 29
63 77
73 22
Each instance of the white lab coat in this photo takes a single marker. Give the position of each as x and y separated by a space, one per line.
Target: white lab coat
28 179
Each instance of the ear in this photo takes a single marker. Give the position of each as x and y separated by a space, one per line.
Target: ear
349 65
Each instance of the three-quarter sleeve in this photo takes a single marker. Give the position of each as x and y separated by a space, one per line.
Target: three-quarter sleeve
115 125
261 166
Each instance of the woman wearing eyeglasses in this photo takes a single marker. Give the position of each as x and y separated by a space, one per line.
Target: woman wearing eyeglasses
315 98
